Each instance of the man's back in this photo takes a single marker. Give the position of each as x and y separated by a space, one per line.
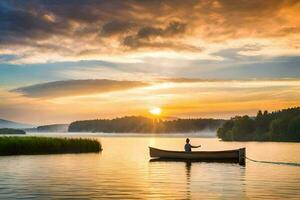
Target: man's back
187 147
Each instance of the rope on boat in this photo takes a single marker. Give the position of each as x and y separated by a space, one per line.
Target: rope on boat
275 163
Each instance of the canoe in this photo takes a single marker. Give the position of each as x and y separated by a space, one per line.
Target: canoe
235 156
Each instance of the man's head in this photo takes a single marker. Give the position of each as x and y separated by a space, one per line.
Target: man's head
187 140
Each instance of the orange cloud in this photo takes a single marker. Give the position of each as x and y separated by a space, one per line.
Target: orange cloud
76 88
110 29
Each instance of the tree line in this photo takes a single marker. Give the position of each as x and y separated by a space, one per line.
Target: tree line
282 125
8 131
53 128
138 124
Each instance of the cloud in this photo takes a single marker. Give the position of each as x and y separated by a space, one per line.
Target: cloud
207 18
172 29
202 41
183 99
182 80
165 24
38 31
116 27
146 36
21 26
76 88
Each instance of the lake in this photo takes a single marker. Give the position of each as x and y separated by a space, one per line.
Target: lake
123 170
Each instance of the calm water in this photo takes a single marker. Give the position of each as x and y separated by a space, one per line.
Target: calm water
123 170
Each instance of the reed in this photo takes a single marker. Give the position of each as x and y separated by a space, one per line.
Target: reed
14 145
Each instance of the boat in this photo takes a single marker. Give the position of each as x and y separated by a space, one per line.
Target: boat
234 156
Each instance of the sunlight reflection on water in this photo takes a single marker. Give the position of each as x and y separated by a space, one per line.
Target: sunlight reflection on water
123 170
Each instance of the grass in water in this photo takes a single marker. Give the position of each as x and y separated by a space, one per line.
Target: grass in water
13 145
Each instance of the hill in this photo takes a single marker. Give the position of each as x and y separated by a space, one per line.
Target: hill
11 124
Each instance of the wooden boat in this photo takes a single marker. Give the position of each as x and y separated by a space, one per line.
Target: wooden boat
236 156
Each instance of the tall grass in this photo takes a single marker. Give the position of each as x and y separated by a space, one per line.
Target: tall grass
14 145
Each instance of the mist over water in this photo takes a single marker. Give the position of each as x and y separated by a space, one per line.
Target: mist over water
123 170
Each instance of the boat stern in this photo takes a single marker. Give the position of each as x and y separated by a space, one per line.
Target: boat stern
242 156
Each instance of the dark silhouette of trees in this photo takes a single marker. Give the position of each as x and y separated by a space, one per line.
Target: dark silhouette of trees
138 124
294 128
8 131
53 128
281 125
262 122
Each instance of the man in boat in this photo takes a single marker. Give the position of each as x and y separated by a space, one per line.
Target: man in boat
188 147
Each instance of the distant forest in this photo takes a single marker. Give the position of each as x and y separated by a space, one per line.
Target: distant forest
8 131
281 125
53 128
138 124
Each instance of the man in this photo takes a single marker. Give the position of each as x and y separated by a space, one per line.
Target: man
188 147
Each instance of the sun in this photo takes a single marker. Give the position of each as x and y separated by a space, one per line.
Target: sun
155 111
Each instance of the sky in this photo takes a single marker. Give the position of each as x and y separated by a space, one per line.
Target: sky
62 61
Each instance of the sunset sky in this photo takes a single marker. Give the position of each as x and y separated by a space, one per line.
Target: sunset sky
62 61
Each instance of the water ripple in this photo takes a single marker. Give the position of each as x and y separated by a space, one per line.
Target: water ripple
128 174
